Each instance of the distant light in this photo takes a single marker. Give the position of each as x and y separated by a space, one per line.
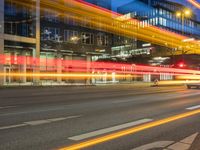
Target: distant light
187 12
181 64
146 44
188 40
178 14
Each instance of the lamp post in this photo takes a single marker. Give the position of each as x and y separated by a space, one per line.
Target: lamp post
183 14
186 13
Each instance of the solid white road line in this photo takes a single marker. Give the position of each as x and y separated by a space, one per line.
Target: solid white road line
39 122
193 107
107 130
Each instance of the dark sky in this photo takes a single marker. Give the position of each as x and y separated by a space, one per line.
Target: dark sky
117 3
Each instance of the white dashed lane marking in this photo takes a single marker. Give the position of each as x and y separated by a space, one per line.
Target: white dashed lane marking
6 107
193 107
39 122
107 130
12 126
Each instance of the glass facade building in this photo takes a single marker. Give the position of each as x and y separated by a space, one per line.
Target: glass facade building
45 34
162 14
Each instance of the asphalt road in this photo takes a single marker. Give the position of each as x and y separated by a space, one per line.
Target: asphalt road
121 117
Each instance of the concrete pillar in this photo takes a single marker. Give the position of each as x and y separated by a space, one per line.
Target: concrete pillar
36 53
1 37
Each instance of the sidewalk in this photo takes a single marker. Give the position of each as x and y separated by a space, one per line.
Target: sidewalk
196 144
52 84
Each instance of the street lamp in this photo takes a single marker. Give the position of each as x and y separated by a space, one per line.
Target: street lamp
183 14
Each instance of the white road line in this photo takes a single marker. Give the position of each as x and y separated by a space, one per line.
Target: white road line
63 118
107 130
193 107
57 119
39 122
6 107
12 126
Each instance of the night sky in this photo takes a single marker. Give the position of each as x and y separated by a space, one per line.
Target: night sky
117 3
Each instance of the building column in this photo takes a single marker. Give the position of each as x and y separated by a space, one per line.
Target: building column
59 68
36 53
88 59
1 37
68 59
23 68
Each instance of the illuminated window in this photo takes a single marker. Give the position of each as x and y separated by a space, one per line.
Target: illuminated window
87 38
69 34
50 33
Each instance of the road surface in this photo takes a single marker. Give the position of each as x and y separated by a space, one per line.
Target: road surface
121 117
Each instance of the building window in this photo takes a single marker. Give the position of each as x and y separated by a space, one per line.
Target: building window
102 39
50 33
69 20
87 38
51 16
24 29
68 34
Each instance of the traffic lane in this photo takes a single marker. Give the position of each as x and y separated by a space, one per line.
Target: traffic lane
107 106
175 131
64 129
26 96
78 89
68 100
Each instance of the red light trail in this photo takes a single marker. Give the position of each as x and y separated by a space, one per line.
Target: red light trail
93 69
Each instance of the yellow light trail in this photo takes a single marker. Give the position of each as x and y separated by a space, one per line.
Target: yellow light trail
111 22
178 81
65 75
189 77
126 132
